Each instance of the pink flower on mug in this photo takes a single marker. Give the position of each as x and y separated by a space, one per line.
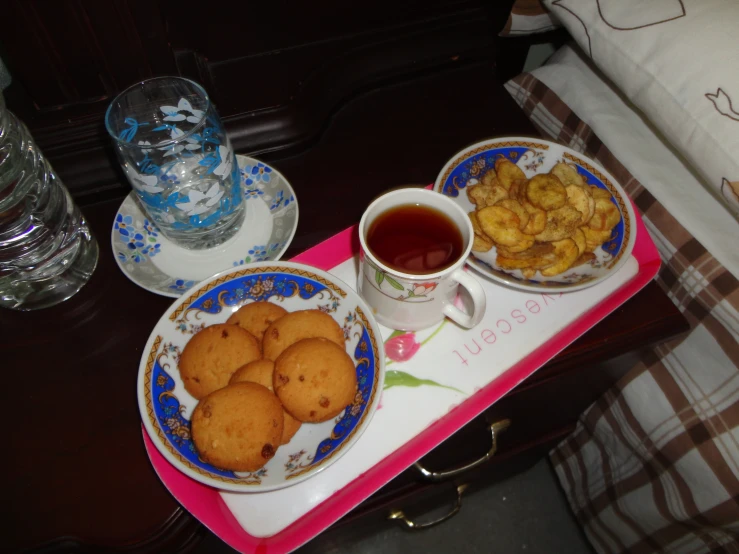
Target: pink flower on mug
402 348
422 289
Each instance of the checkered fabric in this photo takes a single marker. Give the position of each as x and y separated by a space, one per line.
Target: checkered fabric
528 17
653 465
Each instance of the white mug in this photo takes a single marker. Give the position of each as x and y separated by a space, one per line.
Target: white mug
410 302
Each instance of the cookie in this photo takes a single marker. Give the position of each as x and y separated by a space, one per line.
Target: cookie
213 354
260 371
315 379
295 326
238 427
256 317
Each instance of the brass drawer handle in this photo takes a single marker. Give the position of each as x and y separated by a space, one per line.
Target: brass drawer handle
401 518
436 476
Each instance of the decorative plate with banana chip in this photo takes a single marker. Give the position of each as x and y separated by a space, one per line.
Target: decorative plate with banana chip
545 216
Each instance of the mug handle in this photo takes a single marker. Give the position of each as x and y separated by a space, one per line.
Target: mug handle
478 301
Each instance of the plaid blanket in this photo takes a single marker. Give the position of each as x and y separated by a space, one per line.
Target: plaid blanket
653 465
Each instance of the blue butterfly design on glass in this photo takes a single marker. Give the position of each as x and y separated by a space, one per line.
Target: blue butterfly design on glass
174 113
175 134
209 136
127 135
218 162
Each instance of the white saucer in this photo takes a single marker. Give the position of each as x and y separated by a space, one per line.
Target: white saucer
151 261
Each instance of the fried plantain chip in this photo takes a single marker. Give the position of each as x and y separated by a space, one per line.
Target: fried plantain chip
525 263
579 237
496 194
546 192
529 273
477 194
537 219
560 224
593 238
481 242
585 258
490 178
501 225
566 252
518 190
475 223
507 172
482 195
513 191
524 244
598 192
537 250
568 175
581 199
606 215
517 209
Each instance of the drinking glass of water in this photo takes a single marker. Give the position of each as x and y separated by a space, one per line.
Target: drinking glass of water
175 153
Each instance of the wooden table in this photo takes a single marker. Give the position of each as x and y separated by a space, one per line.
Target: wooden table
75 473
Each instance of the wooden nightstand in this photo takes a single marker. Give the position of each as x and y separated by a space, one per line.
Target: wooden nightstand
79 478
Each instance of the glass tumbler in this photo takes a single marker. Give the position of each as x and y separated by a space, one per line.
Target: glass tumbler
175 153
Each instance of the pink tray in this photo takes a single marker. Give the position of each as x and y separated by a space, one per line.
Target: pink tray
207 505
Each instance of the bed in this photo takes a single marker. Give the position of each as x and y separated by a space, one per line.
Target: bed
651 91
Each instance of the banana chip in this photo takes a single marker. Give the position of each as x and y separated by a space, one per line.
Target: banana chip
582 200
490 178
547 224
517 209
480 242
561 223
507 172
501 225
568 175
579 237
546 192
607 214
585 258
483 195
598 192
566 253
540 249
593 238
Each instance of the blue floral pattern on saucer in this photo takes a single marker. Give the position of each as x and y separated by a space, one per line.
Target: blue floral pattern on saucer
166 406
153 262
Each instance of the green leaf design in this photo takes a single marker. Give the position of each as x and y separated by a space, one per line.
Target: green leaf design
395 378
379 276
394 283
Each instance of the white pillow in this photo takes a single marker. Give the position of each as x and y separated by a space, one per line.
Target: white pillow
678 61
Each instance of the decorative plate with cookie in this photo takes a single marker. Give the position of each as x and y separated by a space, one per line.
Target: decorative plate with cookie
261 376
546 218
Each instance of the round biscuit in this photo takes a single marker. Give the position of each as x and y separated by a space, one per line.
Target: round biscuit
315 379
238 427
256 317
260 371
213 354
295 326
